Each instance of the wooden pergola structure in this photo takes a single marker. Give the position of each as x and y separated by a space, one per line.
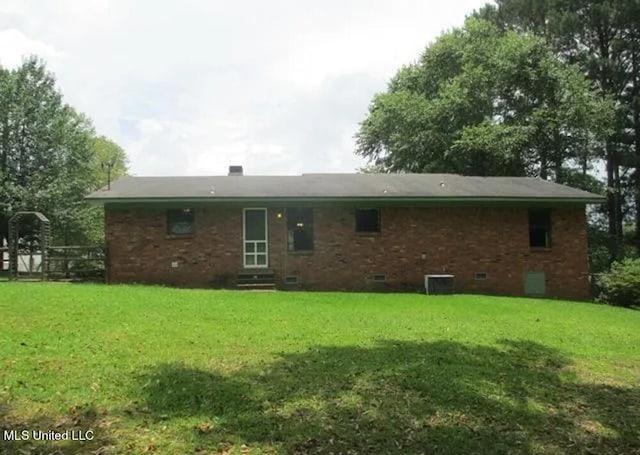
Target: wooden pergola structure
14 237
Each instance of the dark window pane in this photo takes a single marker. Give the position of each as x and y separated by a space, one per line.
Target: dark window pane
302 240
538 237
367 220
255 224
539 218
300 229
540 228
181 221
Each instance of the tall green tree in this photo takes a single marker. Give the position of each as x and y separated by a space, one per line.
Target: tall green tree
481 101
108 163
49 155
603 38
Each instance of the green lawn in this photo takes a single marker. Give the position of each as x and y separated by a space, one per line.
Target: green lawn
158 370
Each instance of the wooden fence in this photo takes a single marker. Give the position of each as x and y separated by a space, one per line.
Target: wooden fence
60 263
4 259
76 262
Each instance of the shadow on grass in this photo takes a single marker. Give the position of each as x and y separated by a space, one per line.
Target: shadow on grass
401 397
77 422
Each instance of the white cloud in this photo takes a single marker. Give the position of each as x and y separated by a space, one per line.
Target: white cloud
15 45
190 87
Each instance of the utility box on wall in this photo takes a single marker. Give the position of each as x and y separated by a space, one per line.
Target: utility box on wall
535 283
438 284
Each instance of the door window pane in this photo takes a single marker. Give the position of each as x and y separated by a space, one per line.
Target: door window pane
255 224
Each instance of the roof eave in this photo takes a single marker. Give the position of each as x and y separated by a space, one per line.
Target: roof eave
390 199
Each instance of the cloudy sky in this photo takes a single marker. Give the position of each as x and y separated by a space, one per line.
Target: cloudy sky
189 87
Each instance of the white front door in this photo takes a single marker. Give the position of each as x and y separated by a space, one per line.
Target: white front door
255 238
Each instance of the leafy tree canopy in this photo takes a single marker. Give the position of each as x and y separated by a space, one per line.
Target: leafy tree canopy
602 37
50 156
483 101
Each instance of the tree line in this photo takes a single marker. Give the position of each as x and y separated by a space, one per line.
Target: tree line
51 157
543 88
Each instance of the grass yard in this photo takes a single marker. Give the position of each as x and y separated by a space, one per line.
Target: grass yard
159 370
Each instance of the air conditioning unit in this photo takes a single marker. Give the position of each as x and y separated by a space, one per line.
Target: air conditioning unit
438 284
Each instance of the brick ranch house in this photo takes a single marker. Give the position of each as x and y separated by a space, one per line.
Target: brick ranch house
498 235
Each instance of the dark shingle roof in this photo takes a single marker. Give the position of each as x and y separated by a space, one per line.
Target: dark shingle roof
340 187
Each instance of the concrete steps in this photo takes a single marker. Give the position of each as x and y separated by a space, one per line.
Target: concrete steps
256 279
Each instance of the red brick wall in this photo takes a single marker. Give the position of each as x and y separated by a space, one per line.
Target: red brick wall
458 241
139 249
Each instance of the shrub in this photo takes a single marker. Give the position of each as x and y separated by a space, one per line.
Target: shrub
621 286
